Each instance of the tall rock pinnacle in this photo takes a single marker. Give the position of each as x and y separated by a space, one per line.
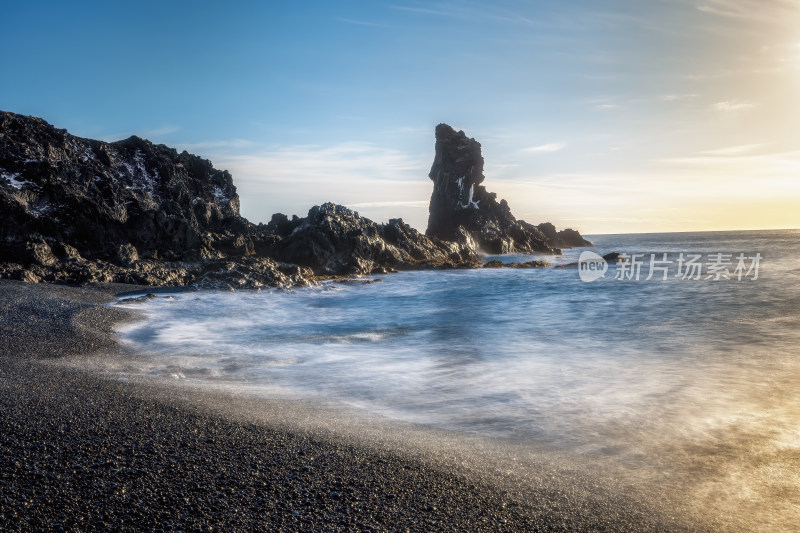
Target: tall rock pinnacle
460 203
457 169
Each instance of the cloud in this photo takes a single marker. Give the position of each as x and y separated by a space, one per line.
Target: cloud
361 22
738 164
215 145
546 148
380 182
410 130
721 10
464 11
342 163
735 150
771 11
151 134
423 10
159 132
674 97
788 57
606 106
733 106
409 203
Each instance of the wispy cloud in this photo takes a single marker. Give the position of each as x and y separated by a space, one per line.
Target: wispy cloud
160 132
671 195
546 148
344 162
606 106
742 149
154 134
416 204
362 22
413 130
788 57
232 144
380 182
733 106
675 97
719 8
740 163
771 12
467 11
428 11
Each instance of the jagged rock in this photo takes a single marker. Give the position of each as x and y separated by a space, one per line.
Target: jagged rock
134 212
420 251
39 252
80 211
460 201
496 263
82 271
281 225
65 252
137 299
127 255
230 245
334 240
566 238
250 273
96 196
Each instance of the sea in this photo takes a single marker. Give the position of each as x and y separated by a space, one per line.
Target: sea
683 359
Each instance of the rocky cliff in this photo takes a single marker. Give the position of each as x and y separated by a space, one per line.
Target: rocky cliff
460 204
79 210
96 196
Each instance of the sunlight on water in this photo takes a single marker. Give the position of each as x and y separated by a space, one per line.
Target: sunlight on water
690 384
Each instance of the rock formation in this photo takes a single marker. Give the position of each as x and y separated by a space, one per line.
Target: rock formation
98 196
566 238
496 263
459 202
79 210
336 240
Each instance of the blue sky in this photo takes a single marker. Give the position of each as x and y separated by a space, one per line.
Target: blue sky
607 116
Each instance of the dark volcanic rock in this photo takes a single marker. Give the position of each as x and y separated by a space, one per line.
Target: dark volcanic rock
97 196
457 169
496 263
566 238
39 252
334 240
248 273
460 201
78 210
281 225
244 272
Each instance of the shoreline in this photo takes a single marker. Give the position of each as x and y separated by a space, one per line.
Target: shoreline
82 452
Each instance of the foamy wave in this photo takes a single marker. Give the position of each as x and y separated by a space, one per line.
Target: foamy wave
683 377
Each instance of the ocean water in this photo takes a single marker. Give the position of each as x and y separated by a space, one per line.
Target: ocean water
694 376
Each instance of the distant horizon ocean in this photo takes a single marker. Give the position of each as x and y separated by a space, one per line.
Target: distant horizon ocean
658 363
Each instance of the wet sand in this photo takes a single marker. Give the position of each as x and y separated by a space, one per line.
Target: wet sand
82 452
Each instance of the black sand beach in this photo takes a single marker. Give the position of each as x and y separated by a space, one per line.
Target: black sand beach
81 452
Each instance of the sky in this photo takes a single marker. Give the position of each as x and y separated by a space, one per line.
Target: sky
608 116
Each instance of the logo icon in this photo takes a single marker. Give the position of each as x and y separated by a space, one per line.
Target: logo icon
591 266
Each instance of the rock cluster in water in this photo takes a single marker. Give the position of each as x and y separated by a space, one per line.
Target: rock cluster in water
460 204
79 210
